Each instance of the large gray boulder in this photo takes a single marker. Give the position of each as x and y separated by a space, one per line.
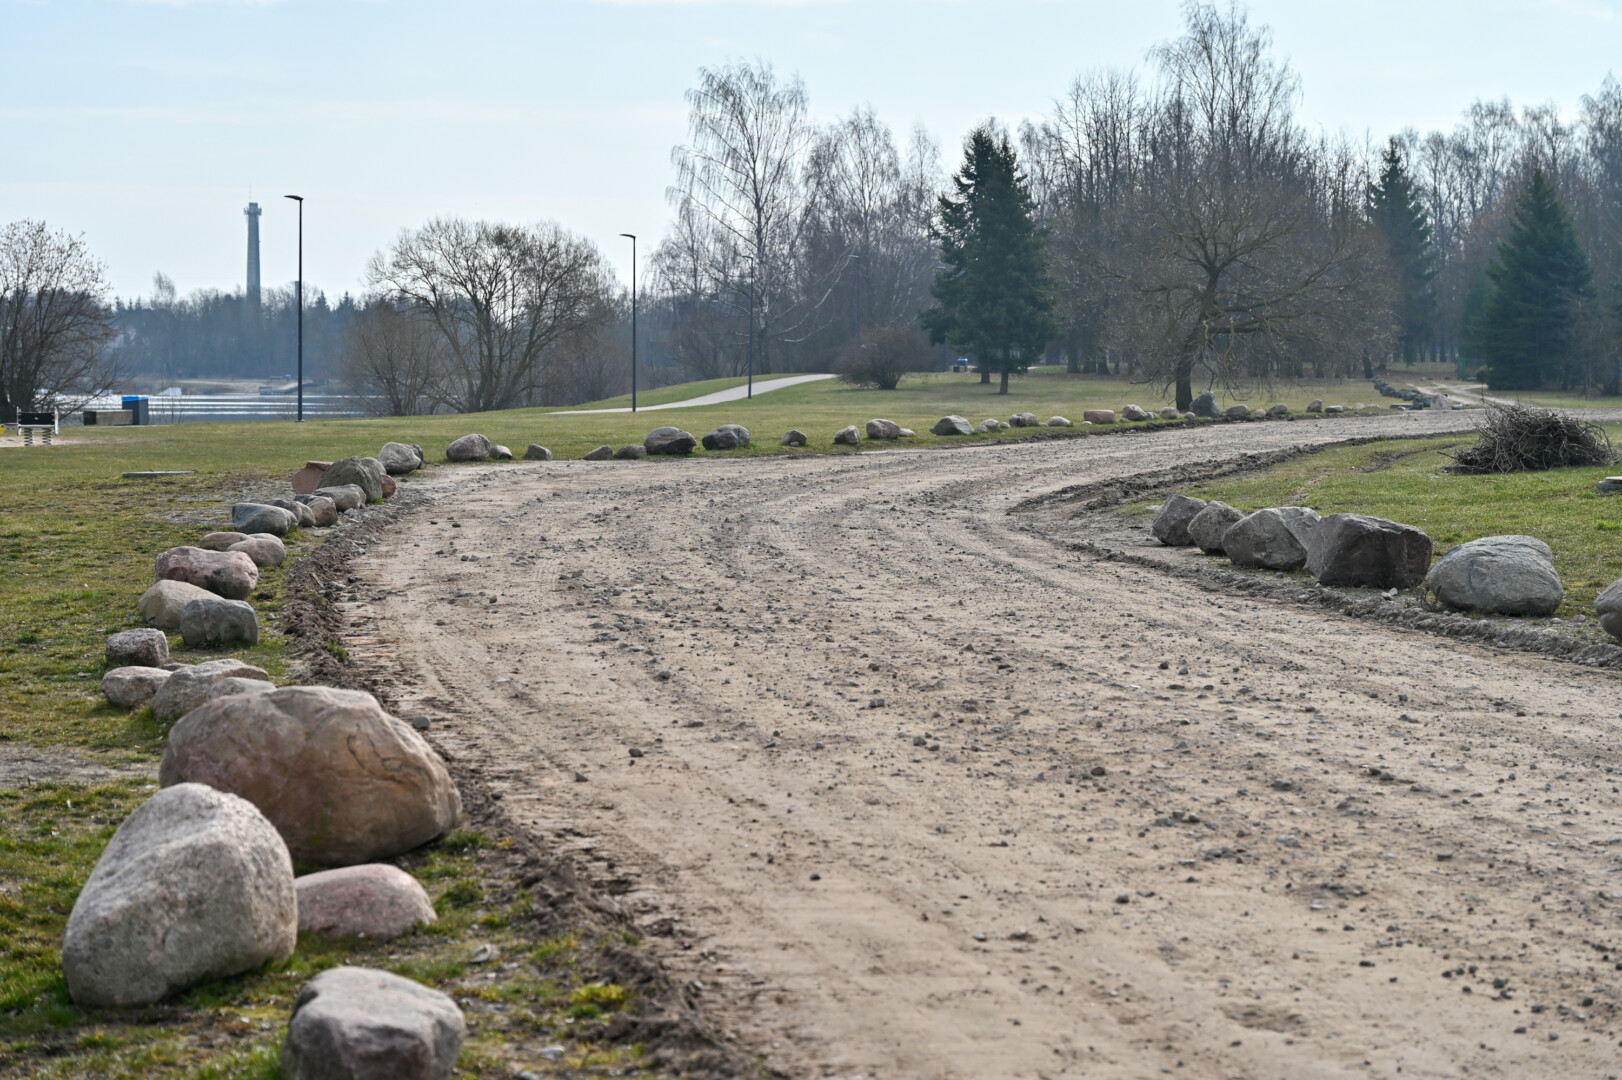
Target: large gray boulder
251 517
727 437
322 510
264 549
1608 606
221 541
669 440
468 448
344 497
194 885
217 623
342 780
793 437
1206 528
162 604
1023 419
1237 412
132 687
601 453
883 429
1265 539
537 452
1132 412
631 452
953 425
353 1023
301 515
847 436
500 453
365 473
1205 405
399 458
189 687
145 647
1171 523
230 574
1498 575
1360 550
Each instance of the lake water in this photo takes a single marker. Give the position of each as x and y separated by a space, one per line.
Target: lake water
214 407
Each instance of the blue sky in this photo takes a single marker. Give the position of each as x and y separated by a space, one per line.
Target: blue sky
143 125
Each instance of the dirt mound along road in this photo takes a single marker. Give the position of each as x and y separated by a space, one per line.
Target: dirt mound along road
902 785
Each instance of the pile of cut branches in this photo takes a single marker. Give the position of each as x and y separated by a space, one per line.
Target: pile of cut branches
1521 438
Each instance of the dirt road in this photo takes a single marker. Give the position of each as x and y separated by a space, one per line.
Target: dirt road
909 787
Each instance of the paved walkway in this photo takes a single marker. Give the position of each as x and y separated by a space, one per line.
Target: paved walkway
737 393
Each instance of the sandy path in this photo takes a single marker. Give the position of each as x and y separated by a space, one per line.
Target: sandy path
887 851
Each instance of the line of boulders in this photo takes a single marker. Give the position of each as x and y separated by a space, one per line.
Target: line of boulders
1494 575
198 883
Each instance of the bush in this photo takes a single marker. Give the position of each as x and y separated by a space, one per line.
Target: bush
882 356
1520 438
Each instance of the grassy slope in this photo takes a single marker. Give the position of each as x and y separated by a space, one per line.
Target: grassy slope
1404 481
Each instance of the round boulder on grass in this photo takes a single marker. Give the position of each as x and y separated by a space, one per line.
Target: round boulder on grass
1099 416
189 687
250 517
1265 539
265 550
883 429
1498 575
132 687
847 436
162 604
342 780
1023 419
468 448
1058 421
230 574
375 900
1132 412
1237 412
631 452
500 453
1205 405
353 1023
145 647
669 440
221 541
400 458
194 885
217 623
602 453
1170 526
989 425
793 437
1608 606
952 425
344 497
1366 551
727 437
537 452
1207 527
365 473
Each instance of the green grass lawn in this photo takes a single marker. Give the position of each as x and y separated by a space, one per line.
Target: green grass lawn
1403 480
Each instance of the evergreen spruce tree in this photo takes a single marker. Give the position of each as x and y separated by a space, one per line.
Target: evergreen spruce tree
1537 279
994 298
1401 219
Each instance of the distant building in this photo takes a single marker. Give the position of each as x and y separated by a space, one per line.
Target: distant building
252 213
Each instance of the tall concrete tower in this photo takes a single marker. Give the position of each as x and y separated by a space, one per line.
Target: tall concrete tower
253 213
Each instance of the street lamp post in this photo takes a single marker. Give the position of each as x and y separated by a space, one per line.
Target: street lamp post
632 238
298 300
752 278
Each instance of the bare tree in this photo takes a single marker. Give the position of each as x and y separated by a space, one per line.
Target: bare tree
500 296
1206 234
394 358
54 319
739 190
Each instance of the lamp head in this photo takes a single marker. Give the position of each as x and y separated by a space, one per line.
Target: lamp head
295 198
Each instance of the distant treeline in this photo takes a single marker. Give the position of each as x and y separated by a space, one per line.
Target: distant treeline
1179 226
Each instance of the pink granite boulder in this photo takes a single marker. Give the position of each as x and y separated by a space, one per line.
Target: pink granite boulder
230 574
375 901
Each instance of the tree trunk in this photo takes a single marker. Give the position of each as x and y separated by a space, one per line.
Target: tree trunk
1185 384
1004 388
985 375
